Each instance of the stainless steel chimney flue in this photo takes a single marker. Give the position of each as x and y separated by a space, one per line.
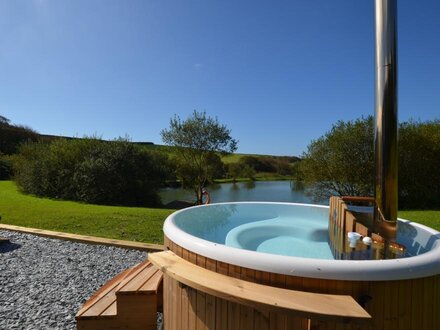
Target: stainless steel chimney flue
386 153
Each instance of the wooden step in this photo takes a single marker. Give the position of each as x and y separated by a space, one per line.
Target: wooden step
139 297
144 279
100 311
128 301
108 289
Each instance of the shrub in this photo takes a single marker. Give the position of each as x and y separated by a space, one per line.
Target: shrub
269 164
5 167
259 164
92 171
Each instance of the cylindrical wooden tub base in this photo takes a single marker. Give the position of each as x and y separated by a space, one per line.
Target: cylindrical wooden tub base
187 308
398 304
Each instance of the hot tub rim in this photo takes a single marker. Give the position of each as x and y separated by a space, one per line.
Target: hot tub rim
423 265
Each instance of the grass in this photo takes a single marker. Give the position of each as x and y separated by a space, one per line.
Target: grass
258 177
126 223
430 218
235 158
231 158
226 158
263 176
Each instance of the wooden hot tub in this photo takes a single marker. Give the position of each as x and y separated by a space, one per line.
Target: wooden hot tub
398 294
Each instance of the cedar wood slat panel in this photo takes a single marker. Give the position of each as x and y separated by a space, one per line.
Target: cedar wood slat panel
428 311
405 305
177 305
247 313
410 303
262 318
233 308
221 320
184 299
417 306
210 300
201 299
255 296
192 311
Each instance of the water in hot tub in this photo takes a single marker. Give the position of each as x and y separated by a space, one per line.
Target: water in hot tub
270 228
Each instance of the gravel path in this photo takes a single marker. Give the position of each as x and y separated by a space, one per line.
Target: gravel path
44 282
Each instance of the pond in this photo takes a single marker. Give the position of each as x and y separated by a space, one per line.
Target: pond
270 191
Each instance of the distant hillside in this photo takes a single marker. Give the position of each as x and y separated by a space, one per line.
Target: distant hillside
235 166
227 159
53 137
11 136
234 158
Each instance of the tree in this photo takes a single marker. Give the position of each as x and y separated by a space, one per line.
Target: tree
197 140
4 121
234 171
248 172
419 164
341 161
240 170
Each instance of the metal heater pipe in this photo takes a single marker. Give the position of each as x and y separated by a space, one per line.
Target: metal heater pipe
386 153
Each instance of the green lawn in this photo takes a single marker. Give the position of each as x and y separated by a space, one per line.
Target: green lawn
127 223
429 218
261 176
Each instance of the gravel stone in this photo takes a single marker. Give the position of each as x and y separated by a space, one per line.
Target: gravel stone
44 281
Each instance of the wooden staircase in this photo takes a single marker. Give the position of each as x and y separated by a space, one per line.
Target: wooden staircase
130 300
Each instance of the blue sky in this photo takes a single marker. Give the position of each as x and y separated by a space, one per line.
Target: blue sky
278 73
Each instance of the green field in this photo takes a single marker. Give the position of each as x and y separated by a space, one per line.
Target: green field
226 158
261 176
127 223
234 158
429 218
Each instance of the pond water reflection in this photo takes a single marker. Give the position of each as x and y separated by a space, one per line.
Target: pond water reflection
270 191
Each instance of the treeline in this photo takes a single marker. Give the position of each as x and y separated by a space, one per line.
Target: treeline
249 166
11 137
92 171
342 162
89 170
107 172
119 172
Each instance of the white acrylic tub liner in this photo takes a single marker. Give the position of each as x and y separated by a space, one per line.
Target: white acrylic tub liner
423 265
